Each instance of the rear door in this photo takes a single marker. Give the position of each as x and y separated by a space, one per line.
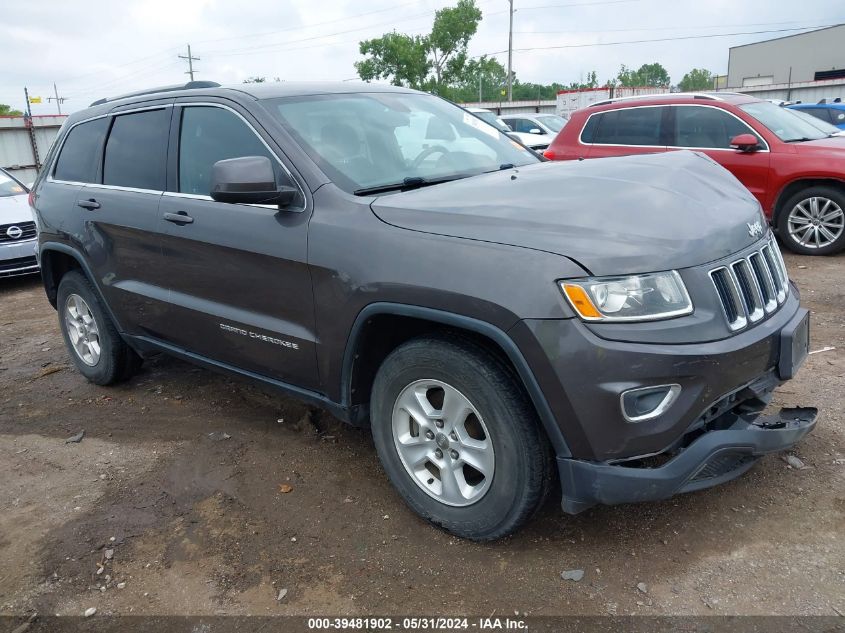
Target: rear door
635 130
709 130
122 240
240 285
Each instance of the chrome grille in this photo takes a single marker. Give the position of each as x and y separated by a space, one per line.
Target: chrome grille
751 287
21 231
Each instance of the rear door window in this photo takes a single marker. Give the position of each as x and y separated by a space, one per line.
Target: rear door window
837 116
136 152
707 128
81 152
629 126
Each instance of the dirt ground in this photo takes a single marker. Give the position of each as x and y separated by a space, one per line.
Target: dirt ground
173 504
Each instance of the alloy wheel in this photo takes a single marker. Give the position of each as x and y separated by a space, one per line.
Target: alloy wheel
443 442
82 330
816 222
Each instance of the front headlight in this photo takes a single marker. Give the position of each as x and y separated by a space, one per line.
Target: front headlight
633 298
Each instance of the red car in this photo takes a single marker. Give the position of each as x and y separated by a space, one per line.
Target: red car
794 168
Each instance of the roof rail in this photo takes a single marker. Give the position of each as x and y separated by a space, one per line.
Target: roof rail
663 95
188 86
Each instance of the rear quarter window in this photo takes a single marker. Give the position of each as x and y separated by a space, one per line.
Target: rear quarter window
81 151
629 126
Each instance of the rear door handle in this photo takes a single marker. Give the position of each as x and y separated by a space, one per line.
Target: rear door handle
178 218
89 204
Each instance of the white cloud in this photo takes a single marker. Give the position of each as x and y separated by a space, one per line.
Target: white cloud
95 48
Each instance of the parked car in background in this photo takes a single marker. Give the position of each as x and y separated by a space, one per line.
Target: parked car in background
535 130
532 142
833 113
794 169
18 239
824 126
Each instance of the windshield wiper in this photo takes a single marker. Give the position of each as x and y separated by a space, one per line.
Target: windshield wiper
411 182
798 140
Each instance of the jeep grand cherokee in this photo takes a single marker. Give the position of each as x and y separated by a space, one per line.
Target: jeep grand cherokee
498 321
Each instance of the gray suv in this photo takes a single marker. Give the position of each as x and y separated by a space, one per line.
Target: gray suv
503 324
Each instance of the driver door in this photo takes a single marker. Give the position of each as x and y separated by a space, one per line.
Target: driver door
240 288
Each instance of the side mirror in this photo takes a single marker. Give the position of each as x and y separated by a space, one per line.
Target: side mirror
514 137
535 130
249 180
745 143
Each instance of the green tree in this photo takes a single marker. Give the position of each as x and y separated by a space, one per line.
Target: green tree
653 75
447 44
435 62
6 110
401 58
696 79
484 73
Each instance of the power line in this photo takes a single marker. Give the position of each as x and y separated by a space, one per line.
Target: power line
663 28
662 39
191 61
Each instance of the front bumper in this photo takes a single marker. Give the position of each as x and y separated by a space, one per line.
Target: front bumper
18 258
711 433
715 457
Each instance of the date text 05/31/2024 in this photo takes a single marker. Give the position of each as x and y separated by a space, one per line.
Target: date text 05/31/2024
418 624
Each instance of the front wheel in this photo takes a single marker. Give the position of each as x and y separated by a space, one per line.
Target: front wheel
812 222
459 439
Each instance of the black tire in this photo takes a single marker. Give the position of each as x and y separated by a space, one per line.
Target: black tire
836 196
523 471
117 361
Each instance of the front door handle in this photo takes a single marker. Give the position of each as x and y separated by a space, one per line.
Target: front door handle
89 204
178 218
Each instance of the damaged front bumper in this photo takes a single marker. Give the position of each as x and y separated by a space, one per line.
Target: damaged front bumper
714 457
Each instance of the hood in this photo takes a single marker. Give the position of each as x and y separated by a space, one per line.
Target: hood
15 209
831 145
613 216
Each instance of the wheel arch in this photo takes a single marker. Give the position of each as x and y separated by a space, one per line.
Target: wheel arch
367 346
804 182
56 260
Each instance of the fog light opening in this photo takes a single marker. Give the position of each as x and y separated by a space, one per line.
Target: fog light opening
647 403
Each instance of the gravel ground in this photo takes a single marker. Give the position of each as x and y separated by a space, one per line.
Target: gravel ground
192 493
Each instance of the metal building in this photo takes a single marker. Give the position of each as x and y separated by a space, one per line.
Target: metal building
24 143
808 66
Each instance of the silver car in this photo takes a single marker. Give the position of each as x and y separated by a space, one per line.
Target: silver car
18 241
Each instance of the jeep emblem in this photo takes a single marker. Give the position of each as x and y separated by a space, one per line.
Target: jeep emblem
755 228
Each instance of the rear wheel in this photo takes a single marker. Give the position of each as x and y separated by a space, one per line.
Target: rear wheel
459 439
812 222
94 345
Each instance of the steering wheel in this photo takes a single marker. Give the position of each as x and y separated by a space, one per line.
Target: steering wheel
428 151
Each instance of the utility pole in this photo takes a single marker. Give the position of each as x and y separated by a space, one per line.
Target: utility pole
59 100
191 61
510 53
479 86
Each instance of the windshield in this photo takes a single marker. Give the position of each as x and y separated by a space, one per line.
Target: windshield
9 187
784 123
368 140
824 126
492 119
552 121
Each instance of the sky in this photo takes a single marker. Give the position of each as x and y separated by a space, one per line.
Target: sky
98 48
